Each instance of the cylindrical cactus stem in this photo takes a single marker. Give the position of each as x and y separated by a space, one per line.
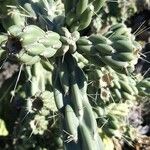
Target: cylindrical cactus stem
28 44
79 13
119 51
77 109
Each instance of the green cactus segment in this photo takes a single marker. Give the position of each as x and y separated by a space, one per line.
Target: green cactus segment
144 86
89 118
81 7
38 78
72 122
3 39
98 4
16 19
88 142
104 49
30 43
99 39
79 118
118 50
15 30
58 94
64 77
77 99
79 13
85 18
40 101
68 41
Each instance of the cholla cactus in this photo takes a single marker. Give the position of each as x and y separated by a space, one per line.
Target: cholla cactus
46 38
113 12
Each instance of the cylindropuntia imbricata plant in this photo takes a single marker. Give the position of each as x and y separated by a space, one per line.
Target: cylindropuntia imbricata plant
64 69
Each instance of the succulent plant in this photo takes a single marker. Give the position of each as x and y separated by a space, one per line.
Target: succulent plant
63 69
112 13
